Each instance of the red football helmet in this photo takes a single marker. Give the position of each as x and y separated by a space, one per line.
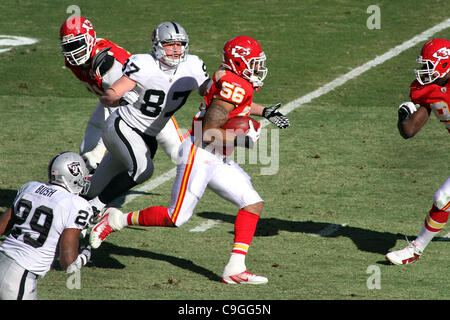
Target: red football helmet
435 61
244 56
77 38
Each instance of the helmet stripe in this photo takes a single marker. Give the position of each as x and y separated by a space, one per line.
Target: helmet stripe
175 26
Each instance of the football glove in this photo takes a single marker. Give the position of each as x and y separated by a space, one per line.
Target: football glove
405 110
250 139
276 117
83 257
129 97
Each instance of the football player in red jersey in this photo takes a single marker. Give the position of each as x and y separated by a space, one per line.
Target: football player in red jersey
98 63
430 92
230 94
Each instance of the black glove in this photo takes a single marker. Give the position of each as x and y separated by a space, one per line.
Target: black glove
276 117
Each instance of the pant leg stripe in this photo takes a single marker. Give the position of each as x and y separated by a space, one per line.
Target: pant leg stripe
184 183
22 285
175 123
127 145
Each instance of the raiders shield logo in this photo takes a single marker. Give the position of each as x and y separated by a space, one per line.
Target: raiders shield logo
74 168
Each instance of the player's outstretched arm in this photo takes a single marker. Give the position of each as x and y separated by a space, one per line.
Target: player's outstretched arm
272 114
410 119
113 94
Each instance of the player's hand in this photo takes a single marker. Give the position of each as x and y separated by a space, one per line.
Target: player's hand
87 252
276 117
252 135
83 257
405 110
129 97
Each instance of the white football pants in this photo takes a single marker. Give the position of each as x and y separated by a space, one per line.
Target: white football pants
131 150
92 148
197 169
441 197
16 283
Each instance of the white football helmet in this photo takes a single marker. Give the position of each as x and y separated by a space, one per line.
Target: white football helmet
169 32
69 171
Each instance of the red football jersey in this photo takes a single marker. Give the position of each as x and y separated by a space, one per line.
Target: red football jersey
92 79
433 97
229 87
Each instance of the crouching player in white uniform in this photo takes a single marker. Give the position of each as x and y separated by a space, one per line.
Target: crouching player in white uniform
155 85
200 165
431 92
42 216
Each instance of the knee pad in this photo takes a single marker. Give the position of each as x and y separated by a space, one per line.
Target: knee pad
441 199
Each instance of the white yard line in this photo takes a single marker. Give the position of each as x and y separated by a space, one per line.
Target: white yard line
206 225
339 81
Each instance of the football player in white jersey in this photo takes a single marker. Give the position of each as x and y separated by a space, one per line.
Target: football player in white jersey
44 218
153 87
98 63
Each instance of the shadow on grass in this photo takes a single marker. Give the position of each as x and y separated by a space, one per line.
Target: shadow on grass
364 239
7 197
103 258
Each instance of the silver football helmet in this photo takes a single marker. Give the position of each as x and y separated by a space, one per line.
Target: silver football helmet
170 32
69 171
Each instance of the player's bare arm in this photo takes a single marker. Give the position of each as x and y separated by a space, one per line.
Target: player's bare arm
6 221
113 94
215 118
68 250
409 127
256 109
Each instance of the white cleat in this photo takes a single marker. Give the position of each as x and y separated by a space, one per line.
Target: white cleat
406 255
244 278
102 229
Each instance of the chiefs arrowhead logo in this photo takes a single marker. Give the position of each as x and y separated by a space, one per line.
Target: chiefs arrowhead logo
240 52
442 53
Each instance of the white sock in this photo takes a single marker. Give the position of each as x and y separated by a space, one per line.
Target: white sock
235 265
424 238
115 219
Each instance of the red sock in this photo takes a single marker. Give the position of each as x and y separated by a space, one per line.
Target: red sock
150 217
436 219
244 229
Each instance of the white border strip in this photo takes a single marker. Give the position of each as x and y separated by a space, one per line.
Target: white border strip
156 182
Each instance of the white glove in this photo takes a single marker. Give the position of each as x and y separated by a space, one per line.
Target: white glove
252 135
129 97
405 110
82 259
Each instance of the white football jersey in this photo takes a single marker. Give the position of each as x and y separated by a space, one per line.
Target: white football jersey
42 212
161 93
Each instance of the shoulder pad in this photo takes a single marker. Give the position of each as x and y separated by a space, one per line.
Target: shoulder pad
102 61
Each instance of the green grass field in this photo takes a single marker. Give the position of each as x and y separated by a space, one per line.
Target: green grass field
342 161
